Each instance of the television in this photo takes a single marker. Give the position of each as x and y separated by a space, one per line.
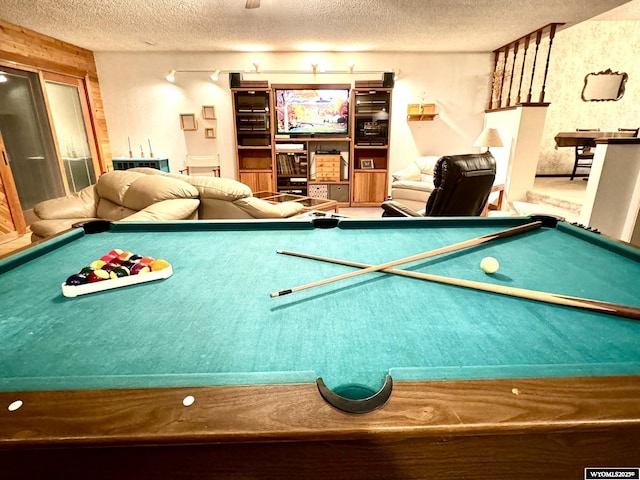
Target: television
312 111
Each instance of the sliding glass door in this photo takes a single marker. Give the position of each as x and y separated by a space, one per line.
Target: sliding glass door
29 144
49 140
70 113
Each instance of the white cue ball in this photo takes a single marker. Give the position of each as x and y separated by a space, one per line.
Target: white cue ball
489 265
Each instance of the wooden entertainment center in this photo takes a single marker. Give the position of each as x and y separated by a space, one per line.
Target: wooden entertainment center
341 155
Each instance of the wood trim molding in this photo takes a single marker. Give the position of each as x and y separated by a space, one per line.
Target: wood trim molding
29 50
13 218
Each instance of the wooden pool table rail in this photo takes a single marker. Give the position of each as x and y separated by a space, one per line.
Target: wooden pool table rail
485 427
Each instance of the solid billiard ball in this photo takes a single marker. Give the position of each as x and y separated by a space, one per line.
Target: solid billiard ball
159 264
77 279
87 270
489 265
135 258
98 276
108 257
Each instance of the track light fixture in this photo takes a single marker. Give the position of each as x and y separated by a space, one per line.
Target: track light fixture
214 74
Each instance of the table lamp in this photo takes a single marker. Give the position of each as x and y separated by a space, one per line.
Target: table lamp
489 138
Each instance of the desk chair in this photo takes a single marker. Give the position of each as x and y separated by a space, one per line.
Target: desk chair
462 187
584 154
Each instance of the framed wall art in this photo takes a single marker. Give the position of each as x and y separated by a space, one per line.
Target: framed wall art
188 121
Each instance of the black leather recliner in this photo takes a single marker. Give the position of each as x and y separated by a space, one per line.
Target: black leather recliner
462 187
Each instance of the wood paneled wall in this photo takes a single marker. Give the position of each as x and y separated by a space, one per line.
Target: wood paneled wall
23 47
11 219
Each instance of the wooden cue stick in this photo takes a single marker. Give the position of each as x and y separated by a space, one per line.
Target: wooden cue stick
420 256
564 300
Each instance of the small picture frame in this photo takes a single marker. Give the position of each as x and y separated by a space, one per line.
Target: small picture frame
367 164
209 112
209 133
188 121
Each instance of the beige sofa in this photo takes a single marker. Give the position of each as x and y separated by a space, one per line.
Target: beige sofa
118 195
146 194
226 198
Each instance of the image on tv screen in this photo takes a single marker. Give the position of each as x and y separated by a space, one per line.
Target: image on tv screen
321 111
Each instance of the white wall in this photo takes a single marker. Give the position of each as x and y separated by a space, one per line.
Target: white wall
140 104
612 199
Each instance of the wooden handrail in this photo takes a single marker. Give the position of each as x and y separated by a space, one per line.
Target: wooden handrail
506 58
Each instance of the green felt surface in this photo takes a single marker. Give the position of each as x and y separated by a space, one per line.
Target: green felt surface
213 322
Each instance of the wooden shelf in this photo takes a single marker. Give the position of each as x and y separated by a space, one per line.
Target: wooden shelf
420 112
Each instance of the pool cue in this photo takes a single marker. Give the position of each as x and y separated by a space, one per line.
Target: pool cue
420 256
564 300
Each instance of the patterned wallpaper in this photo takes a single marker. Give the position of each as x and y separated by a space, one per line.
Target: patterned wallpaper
584 48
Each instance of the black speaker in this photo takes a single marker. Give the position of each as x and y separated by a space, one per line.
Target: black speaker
387 79
235 79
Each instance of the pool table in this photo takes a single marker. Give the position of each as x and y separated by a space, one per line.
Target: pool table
205 375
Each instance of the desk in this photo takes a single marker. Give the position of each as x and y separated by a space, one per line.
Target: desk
582 142
586 138
309 203
485 386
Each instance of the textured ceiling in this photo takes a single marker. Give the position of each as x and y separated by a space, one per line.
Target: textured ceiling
299 25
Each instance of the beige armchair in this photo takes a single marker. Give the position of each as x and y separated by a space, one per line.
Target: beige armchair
412 185
118 195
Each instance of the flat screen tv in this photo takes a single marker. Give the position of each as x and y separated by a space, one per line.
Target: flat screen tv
310 112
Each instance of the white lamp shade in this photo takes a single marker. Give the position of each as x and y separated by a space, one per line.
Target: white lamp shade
489 138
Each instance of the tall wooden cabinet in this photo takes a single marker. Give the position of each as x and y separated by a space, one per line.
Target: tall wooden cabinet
370 114
252 115
352 170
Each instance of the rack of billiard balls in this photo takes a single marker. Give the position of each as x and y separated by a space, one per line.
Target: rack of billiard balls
115 269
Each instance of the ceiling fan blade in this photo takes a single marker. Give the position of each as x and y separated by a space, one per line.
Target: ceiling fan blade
252 4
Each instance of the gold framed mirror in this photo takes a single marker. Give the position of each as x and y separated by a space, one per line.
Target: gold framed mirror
604 86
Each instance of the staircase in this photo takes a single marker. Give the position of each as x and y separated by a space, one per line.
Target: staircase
554 196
